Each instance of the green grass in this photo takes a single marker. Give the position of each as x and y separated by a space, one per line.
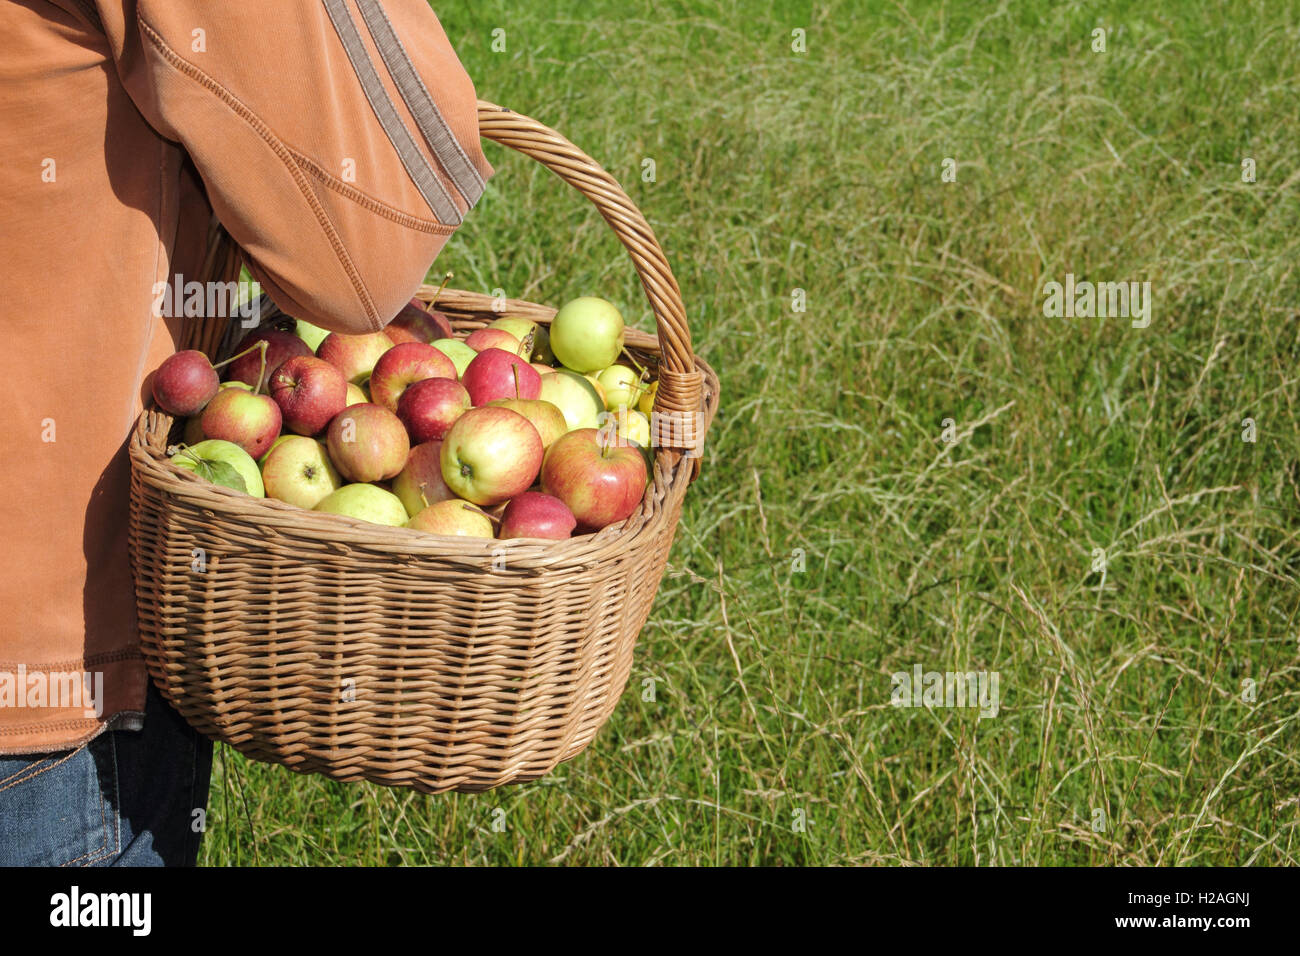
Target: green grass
1121 692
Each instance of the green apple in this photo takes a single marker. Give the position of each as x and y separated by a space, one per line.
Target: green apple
600 389
516 326
587 334
298 471
520 328
216 450
542 351
634 427
647 403
313 335
456 350
622 387
574 396
365 502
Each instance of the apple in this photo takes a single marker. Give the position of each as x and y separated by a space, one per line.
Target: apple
574 396
244 385
250 421
298 471
193 432
354 355
440 321
367 443
215 449
587 334
313 335
647 402
545 417
459 353
496 373
490 455
365 502
184 383
357 395
622 387
429 407
403 365
280 347
600 389
634 427
453 517
542 346
542 368
481 339
601 482
515 325
420 483
275 444
414 324
310 392
536 515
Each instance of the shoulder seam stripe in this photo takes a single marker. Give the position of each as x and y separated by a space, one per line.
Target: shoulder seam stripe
417 167
463 174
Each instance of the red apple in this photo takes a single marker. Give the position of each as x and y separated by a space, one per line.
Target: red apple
367 443
280 347
490 455
481 339
403 365
601 481
250 421
413 324
439 319
430 407
495 373
420 483
534 515
310 392
185 383
354 355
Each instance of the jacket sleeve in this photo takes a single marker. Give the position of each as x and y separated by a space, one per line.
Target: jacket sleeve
337 139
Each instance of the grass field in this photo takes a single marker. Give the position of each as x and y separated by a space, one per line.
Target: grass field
842 530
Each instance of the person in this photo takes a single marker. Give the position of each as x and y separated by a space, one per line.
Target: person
337 143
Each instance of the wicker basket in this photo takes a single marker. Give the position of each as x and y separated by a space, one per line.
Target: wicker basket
364 652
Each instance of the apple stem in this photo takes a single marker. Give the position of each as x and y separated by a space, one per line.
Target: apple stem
261 369
189 452
514 370
495 521
422 497
239 356
433 301
635 364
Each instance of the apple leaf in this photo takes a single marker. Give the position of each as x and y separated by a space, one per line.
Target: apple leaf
221 473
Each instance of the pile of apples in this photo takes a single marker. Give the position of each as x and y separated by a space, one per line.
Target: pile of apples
509 432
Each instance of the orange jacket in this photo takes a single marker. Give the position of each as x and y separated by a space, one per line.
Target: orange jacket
336 140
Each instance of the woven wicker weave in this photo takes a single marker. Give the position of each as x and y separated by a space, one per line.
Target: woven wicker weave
365 652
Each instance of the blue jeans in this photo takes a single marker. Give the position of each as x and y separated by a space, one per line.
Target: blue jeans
127 798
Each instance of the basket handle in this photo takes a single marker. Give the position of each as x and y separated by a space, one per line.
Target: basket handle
681 383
